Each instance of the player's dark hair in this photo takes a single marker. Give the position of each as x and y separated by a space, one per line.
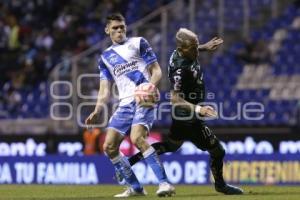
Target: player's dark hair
114 16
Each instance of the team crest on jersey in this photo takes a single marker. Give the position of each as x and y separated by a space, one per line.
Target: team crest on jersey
112 58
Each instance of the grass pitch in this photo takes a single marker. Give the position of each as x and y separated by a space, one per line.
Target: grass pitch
69 192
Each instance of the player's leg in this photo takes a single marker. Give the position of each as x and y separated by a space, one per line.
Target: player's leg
167 146
141 124
171 144
206 140
117 128
138 137
111 147
217 154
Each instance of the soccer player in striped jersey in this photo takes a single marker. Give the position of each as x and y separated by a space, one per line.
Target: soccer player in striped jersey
129 62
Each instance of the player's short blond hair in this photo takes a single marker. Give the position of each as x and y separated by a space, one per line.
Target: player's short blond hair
185 37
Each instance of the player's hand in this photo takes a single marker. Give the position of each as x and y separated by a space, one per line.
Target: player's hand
214 43
146 95
91 119
208 111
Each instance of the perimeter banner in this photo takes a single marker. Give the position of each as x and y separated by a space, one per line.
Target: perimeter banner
194 169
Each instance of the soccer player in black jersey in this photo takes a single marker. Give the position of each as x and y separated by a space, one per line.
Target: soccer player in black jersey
187 92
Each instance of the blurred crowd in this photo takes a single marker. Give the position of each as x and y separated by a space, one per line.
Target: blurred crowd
254 52
35 35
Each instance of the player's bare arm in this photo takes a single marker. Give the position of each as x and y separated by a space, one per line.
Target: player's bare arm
155 73
102 99
206 111
211 45
147 93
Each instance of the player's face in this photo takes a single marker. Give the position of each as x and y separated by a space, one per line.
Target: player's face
190 50
117 31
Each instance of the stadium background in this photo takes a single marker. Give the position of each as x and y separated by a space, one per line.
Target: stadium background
49 82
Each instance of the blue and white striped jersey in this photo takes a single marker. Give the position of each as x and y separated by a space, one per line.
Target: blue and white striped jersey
126 64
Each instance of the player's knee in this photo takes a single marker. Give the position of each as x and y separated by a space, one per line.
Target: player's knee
135 139
139 142
110 149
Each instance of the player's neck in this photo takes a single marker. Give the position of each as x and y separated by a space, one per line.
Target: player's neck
119 43
184 57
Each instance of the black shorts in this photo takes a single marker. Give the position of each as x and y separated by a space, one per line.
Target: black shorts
196 132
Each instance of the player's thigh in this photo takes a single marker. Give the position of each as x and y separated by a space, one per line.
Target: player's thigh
143 116
204 138
138 131
122 118
180 131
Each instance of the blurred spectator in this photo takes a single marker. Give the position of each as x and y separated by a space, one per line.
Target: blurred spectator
12 100
13 33
254 52
90 141
31 75
3 36
44 40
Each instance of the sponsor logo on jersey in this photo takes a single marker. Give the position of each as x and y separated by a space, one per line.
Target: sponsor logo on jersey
121 69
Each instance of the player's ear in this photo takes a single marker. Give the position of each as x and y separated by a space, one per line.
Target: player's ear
106 30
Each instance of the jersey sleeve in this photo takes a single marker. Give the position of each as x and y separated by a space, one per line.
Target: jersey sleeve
146 52
104 72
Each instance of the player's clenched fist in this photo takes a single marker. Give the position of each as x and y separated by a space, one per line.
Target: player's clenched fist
146 94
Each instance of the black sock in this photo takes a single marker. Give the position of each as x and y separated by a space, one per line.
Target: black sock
216 165
135 158
160 148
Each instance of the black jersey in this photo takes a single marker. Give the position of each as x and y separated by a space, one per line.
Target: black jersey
186 77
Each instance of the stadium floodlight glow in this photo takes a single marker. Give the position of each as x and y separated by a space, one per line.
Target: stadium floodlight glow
52 115
61 83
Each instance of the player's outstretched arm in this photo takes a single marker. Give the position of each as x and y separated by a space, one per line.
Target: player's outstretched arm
211 45
206 111
155 73
102 99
